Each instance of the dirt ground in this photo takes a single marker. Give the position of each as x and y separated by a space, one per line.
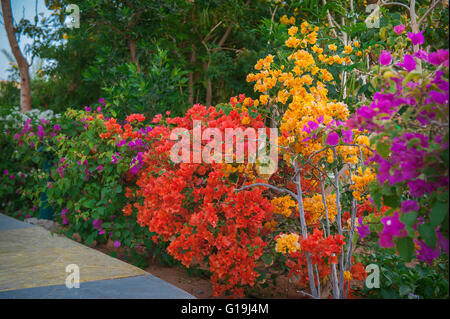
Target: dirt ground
200 287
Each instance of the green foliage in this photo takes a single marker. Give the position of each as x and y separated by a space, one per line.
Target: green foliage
400 280
162 89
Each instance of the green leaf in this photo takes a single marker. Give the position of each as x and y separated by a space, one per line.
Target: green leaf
405 247
409 218
375 194
445 156
90 203
391 200
404 290
267 259
427 232
438 213
383 149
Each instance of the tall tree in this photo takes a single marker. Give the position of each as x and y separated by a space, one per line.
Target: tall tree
25 87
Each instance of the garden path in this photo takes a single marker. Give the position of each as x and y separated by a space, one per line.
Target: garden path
33 264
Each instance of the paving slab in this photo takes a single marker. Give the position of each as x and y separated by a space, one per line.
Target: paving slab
7 223
31 257
140 287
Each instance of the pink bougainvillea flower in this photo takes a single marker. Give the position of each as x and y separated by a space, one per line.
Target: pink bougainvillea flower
418 187
408 63
399 29
421 54
426 253
385 58
99 168
347 136
363 230
439 57
439 97
416 38
102 101
392 227
409 205
313 125
40 131
332 139
117 244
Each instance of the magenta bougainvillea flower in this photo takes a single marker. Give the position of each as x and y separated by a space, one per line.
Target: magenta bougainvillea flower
40 131
408 63
418 187
426 253
409 205
439 97
385 58
117 244
416 38
392 227
332 139
313 125
347 136
399 29
363 230
439 57
63 215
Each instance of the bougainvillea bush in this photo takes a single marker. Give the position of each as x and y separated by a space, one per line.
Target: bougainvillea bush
19 161
93 162
356 186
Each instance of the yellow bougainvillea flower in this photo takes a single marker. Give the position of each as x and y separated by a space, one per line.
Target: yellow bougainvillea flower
348 49
287 243
292 31
283 205
347 275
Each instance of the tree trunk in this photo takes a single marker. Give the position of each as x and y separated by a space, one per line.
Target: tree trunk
133 55
191 76
25 88
207 83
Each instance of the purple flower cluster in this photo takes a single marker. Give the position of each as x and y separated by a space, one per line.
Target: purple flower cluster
63 215
137 163
363 230
98 223
393 227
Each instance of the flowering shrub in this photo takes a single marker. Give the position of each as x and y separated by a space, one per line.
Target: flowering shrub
408 119
196 206
314 144
93 168
18 163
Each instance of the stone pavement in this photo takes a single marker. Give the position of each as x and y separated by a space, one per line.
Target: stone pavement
33 265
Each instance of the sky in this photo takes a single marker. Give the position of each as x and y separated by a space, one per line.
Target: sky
20 9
